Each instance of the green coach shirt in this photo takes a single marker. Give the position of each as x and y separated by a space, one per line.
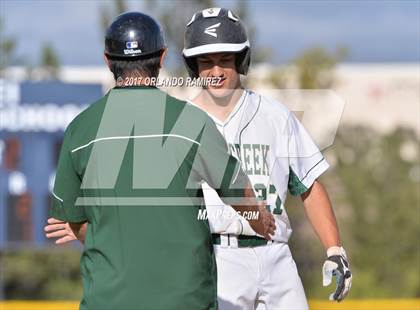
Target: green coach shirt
132 165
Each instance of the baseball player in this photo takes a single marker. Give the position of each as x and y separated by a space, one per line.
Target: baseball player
278 155
144 247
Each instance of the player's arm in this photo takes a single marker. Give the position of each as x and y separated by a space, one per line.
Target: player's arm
306 164
320 214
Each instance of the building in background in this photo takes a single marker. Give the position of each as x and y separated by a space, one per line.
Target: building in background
381 96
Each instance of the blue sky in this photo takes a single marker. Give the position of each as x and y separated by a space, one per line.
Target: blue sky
374 31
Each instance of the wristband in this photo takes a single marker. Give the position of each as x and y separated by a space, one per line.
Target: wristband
336 250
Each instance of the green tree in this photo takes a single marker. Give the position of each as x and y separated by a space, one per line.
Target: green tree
174 17
107 13
42 274
374 186
314 67
50 61
382 188
259 53
7 49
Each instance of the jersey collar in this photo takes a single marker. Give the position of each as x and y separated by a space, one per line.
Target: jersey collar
241 101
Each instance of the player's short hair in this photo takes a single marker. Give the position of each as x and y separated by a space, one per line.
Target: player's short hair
144 67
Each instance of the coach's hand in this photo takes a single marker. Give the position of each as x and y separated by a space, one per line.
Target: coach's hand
60 230
337 265
265 225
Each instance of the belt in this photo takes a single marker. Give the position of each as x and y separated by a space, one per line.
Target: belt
243 241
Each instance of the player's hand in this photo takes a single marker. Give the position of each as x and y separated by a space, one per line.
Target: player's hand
337 265
265 225
60 230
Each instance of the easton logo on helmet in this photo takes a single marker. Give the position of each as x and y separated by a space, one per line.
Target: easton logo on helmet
211 30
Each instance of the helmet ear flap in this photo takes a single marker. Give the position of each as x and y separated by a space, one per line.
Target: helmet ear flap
243 60
192 67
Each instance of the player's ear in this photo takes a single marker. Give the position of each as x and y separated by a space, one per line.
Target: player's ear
162 56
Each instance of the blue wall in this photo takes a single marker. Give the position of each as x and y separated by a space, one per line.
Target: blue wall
35 114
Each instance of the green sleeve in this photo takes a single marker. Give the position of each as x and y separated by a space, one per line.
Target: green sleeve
67 186
295 186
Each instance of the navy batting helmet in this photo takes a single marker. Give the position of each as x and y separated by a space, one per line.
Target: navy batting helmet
216 30
133 34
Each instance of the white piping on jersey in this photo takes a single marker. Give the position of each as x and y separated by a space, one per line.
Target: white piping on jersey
237 173
313 167
237 108
58 198
252 118
133 137
241 130
234 112
218 122
230 117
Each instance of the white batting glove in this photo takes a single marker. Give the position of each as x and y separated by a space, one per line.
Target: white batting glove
337 265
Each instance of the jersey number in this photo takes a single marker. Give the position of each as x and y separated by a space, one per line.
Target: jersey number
261 190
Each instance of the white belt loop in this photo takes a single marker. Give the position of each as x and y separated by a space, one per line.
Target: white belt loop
228 241
224 242
233 241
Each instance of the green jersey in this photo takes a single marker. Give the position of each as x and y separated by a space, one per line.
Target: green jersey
131 165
